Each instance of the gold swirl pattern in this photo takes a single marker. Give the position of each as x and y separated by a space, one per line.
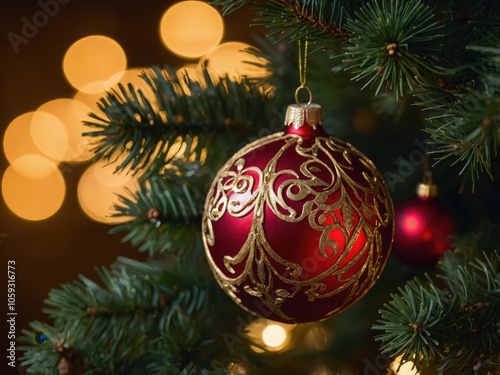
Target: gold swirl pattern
347 207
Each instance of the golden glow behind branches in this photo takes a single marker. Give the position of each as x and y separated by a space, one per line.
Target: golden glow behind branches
98 191
34 166
49 135
33 198
90 62
191 28
69 113
129 76
191 73
407 368
17 139
233 60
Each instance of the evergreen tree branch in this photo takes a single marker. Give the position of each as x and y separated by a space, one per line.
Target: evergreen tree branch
319 21
467 131
179 117
230 6
111 329
411 322
164 210
400 46
455 325
42 356
472 349
394 45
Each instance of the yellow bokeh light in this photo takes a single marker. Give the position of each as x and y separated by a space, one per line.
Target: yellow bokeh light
49 135
274 335
98 191
133 76
104 175
90 62
90 100
268 335
33 198
124 77
407 368
191 28
190 73
70 114
233 60
34 166
17 139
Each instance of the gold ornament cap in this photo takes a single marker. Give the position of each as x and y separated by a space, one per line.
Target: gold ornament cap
426 190
298 115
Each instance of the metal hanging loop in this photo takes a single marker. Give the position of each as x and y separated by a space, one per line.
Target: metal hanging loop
303 87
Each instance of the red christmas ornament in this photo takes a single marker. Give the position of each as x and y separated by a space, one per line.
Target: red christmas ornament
298 225
423 228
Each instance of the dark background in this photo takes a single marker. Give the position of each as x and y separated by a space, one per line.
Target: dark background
54 251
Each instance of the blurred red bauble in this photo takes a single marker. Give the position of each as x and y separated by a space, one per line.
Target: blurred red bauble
298 225
423 229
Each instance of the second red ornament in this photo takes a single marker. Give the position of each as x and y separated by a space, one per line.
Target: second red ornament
423 227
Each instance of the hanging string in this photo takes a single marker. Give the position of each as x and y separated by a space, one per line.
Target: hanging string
303 72
302 63
427 170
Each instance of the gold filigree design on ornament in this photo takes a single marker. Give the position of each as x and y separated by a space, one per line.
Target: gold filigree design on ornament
260 273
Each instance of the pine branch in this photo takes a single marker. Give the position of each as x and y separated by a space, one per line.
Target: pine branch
125 291
475 318
391 43
320 21
75 345
164 210
468 135
180 344
411 322
395 45
184 119
111 328
455 325
229 6
467 131
411 49
40 355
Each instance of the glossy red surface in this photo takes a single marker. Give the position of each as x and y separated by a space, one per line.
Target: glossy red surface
423 230
355 253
